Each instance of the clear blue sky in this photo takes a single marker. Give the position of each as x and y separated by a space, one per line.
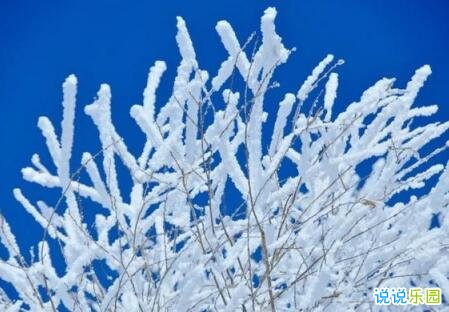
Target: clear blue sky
116 41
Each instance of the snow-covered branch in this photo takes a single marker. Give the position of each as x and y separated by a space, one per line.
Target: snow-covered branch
310 232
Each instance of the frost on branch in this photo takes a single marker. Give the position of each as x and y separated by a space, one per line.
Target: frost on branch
319 235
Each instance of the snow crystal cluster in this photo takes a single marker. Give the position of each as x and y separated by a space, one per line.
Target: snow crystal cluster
309 232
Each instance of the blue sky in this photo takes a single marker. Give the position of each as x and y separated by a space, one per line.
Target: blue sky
116 41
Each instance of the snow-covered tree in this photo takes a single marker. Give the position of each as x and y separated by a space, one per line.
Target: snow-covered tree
311 230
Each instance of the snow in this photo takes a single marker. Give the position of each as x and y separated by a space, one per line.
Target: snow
324 233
